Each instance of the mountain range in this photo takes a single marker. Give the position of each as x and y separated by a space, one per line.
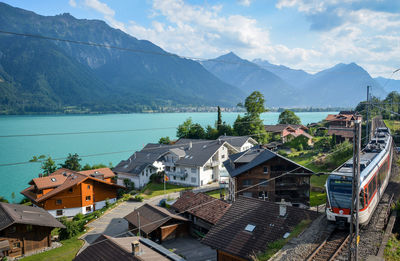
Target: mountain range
42 75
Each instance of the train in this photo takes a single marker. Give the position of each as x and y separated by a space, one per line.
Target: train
375 171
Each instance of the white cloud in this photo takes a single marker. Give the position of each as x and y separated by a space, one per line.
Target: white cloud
244 2
72 3
100 7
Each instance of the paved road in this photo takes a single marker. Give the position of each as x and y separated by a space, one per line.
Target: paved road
113 223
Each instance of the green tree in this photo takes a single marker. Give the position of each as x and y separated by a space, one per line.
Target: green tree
250 123
196 131
48 166
72 162
164 140
225 129
95 166
184 128
211 133
2 199
288 117
219 119
323 144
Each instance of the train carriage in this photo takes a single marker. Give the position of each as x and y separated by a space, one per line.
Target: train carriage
375 170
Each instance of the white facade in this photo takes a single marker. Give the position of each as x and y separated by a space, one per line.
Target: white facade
247 145
140 180
70 212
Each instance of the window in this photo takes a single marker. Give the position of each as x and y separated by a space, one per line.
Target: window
263 194
193 170
88 198
247 194
265 169
58 201
250 228
88 186
17 245
174 177
28 228
247 182
223 156
70 190
193 180
59 212
89 208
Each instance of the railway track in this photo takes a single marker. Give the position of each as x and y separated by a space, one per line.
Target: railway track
331 247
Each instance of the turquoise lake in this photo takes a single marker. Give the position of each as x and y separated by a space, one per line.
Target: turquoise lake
21 149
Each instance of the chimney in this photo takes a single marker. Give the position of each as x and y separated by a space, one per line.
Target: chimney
40 175
219 141
135 247
190 145
282 208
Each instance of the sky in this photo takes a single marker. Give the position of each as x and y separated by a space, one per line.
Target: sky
303 34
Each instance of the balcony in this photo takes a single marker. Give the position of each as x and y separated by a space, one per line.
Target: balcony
177 174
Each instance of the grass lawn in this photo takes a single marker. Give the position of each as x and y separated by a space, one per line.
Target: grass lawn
66 252
317 198
215 193
392 125
157 189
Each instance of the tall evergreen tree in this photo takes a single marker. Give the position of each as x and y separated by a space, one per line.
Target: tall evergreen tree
219 119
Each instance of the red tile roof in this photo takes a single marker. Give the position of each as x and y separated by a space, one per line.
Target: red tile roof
108 173
211 212
49 181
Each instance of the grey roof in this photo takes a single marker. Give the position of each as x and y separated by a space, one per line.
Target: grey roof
21 214
140 160
237 141
281 127
252 158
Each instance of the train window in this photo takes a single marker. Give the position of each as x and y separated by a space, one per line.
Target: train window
370 190
362 202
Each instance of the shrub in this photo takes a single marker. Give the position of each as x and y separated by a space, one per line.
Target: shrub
72 228
282 153
108 204
138 198
78 217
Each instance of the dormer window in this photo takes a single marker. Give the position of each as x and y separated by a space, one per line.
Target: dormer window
250 228
53 179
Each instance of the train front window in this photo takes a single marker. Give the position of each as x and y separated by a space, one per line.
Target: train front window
340 193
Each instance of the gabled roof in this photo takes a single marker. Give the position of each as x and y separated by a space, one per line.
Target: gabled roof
211 212
49 181
108 248
281 127
340 117
252 158
106 172
72 179
21 214
151 217
229 233
237 141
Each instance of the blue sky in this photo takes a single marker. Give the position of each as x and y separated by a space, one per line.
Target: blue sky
305 34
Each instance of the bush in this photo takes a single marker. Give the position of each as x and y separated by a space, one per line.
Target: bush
138 198
78 217
108 204
282 153
72 228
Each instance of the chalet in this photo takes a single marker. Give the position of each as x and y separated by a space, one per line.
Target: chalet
288 132
240 143
141 165
189 162
24 229
258 164
250 224
108 248
201 209
67 193
157 223
342 124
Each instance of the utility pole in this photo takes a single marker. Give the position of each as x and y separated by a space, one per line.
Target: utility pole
367 120
355 198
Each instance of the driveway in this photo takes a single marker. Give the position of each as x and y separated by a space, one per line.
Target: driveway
191 249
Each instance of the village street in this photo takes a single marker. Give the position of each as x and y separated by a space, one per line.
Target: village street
113 223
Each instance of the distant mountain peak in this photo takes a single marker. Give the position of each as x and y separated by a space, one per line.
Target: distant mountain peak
231 56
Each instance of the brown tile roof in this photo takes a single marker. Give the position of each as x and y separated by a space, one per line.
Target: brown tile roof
21 214
281 127
229 233
108 173
210 212
345 133
49 181
72 178
339 117
151 217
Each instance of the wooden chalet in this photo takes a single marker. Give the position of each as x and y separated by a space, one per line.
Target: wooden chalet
24 229
257 165
157 223
342 124
67 193
201 209
250 224
288 132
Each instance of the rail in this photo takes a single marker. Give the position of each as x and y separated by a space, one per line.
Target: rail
331 247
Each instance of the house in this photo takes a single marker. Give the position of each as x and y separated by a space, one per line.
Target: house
139 167
24 229
248 168
108 248
105 174
201 209
194 162
288 132
67 193
241 143
250 224
341 125
157 223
